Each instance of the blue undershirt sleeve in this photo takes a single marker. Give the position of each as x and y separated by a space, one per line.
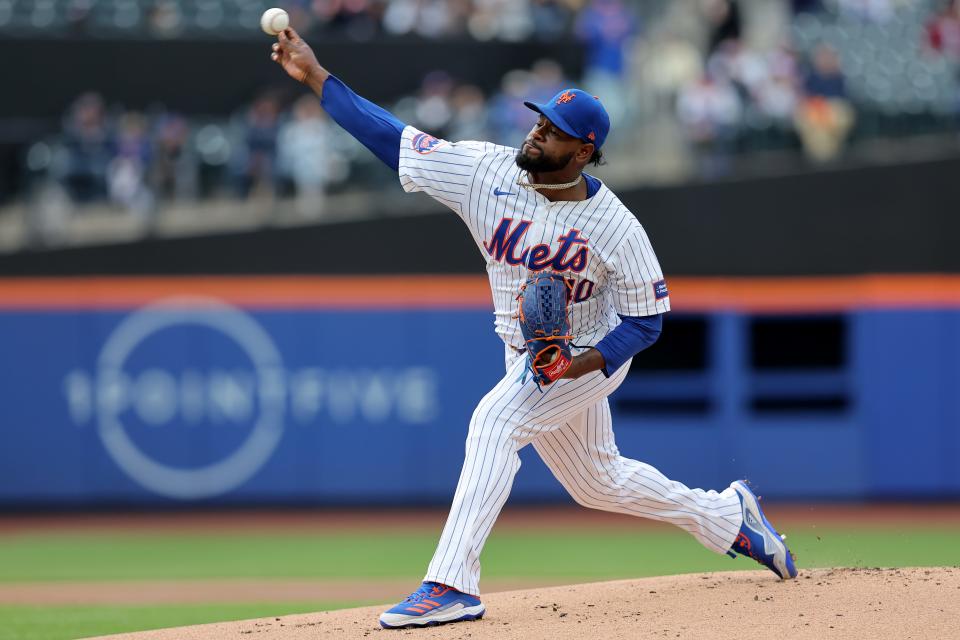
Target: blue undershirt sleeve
593 185
629 338
376 128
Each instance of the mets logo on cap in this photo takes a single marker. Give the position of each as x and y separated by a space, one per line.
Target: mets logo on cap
424 143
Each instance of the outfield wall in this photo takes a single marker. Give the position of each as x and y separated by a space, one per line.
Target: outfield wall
258 390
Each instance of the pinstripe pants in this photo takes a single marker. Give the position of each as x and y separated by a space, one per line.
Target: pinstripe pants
569 425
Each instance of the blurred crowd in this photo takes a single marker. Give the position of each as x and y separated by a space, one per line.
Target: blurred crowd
705 80
508 20
269 149
139 160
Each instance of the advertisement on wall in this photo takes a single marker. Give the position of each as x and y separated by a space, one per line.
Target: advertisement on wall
353 391
193 398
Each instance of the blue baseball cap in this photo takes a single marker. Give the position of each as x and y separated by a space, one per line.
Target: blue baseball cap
578 114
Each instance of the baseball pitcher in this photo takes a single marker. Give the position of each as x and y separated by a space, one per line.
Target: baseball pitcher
577 292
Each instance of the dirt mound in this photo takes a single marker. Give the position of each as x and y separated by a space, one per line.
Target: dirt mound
821 603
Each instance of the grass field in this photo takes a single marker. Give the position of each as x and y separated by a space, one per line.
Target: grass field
52 622
529 554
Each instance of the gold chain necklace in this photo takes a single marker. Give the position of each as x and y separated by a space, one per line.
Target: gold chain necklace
565 185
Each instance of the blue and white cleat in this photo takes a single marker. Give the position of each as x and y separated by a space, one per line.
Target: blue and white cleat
432 604
758 539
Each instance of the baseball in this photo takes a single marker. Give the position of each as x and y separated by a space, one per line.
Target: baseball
274 20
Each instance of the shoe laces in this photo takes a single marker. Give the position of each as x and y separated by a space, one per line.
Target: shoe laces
426 590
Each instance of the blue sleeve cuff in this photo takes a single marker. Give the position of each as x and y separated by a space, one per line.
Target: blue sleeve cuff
376 128
629 338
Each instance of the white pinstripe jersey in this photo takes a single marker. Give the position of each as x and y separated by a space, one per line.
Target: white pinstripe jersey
597 242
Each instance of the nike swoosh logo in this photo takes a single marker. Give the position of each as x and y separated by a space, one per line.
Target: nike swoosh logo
497 192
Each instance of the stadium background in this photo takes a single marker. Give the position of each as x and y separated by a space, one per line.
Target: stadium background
219 315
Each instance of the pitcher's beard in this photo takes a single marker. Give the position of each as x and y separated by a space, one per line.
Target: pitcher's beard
541 164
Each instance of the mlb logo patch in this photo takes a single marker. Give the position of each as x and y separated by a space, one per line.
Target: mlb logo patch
660 290
424 143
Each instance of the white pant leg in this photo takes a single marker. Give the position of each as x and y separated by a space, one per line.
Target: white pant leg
584 457
510 416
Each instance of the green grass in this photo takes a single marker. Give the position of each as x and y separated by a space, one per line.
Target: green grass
575 556
509 554
629 555
67 623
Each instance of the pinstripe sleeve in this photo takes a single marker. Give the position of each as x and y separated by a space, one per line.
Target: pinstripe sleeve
636 281
441 169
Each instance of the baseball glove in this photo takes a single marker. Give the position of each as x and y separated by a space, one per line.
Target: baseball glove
545 325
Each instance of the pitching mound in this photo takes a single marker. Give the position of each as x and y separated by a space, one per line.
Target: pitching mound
821 603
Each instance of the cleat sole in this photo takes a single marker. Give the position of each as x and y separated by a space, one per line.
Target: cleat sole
466 615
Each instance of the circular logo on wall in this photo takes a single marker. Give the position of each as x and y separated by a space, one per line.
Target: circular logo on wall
234 467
